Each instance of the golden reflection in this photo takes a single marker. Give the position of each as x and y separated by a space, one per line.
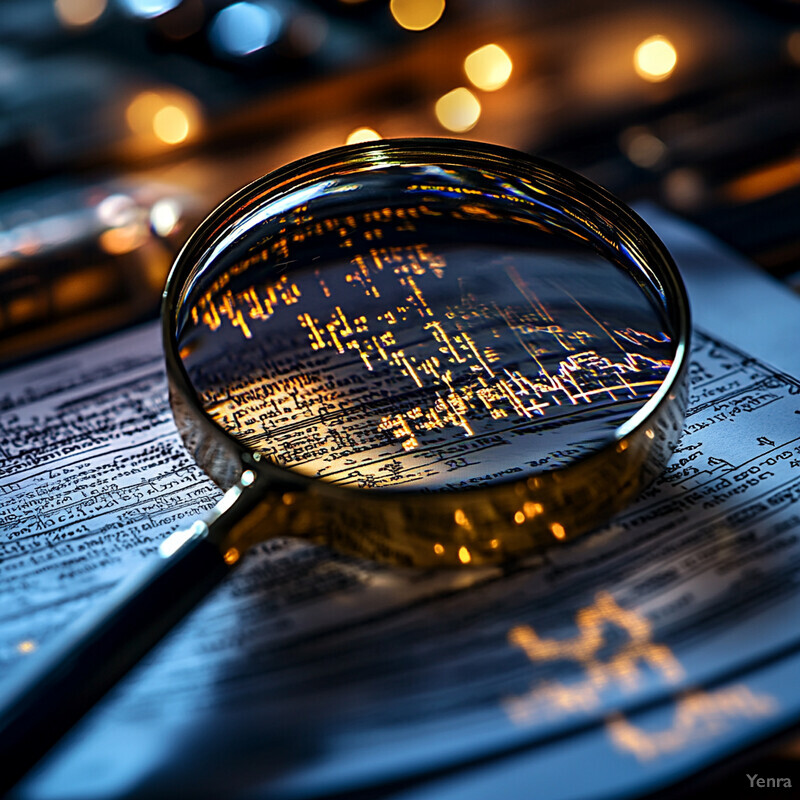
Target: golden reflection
438 549
362 135
698 715
532 509
655 58
621 669
558 530
464 556
585 646
416 15
79 13
231 555
488 68
458 110
26 646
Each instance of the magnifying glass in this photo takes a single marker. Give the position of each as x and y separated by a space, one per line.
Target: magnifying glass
434 353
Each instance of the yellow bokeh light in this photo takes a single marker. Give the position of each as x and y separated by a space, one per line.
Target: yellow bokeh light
438 549
168 117
489 67
231 555
519 517
532 509
171 125
141 111
558 530
464 556
26 646
125 239
363 135
458 110
655 59
79 13
416 15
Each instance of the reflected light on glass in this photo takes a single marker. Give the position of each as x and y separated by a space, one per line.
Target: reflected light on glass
416 15
245 28
165 216
488 68
655 59
78 13
148 9
26 646
363 135
458 110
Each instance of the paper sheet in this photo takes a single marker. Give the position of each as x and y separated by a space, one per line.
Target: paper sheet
308 673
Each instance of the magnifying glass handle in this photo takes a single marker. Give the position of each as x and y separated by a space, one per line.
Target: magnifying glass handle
69 677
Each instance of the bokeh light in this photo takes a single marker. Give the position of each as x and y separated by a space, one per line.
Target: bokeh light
171 125
166 117
488 68
148 9
642 147
245 28
79 13
165 215
458 110
416 15
363 135
655 58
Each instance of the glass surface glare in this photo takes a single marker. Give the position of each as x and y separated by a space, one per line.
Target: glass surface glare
418 326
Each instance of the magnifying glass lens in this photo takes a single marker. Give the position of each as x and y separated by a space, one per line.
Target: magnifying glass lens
412 326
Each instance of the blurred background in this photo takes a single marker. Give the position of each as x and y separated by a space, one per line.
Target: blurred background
123 122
